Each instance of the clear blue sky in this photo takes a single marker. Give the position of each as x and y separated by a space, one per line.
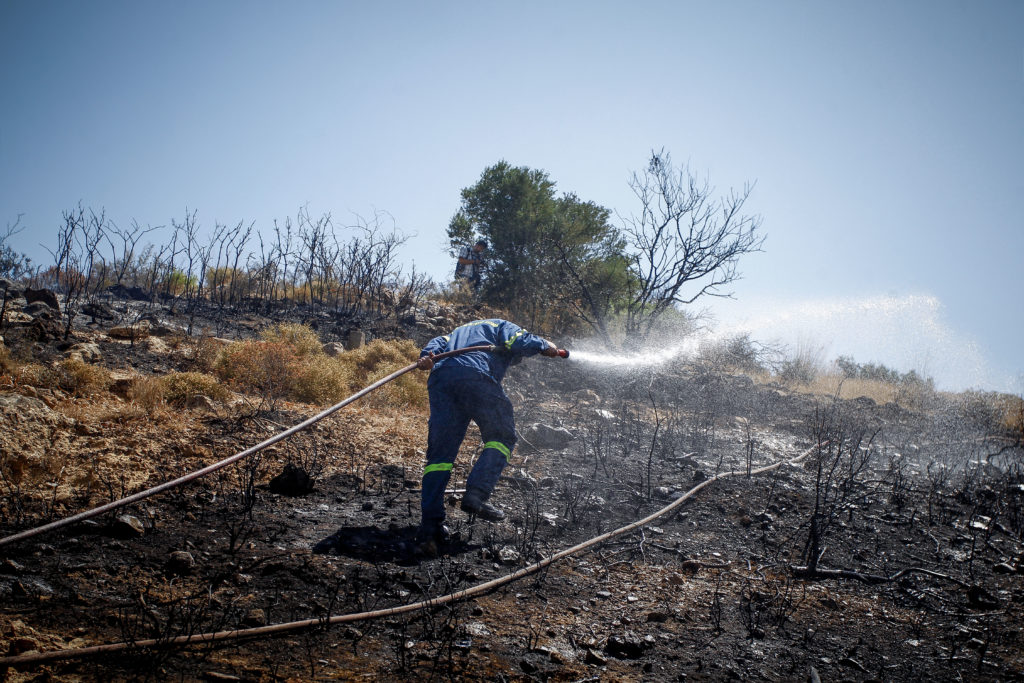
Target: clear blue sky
885 138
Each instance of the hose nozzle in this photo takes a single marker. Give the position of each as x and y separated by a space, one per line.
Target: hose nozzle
563 353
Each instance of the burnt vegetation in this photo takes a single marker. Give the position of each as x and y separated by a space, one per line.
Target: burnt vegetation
892 551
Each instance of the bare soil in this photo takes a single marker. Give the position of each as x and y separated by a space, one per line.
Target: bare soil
918 538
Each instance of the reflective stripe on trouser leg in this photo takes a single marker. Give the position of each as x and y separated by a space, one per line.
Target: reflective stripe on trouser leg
435 481
488 467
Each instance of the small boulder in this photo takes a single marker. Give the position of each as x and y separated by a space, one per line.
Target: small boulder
40 309
293 481
46 296
202 403
356 339
508 555
139 330
87 352
157 345
127 526
255 617
626 646
98 311
545 436
181 562
334 349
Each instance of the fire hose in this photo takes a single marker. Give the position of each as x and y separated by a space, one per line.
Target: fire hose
136 497
479 589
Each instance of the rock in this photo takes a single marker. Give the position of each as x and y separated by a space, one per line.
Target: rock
355 339
699 476
181 562
157 345
87 352
163 330
527 666
17 317
626 646
39 309
509 555
127 526
129 293
98 311
46 296
334 349
594 659
139 330
12 289
255 617
20 646
980 598
523 481
657 617
544 436
293 481
121 382
202 403
16 409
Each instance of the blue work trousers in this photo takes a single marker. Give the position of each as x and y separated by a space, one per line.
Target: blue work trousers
456 397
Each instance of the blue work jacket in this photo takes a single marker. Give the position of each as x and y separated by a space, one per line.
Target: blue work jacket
512 342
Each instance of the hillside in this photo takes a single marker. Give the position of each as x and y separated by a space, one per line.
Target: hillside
893 551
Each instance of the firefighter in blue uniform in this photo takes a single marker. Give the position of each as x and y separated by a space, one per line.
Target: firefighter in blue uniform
467 387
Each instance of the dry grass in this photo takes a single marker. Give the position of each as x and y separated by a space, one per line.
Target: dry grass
178 388
269 369
80 378
1013 415
301 339
204 351
289 363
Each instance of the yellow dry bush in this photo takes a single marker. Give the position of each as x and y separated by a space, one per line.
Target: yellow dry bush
324 381
6 364
379 359
35 375
205 351
302 339
147 392
80 378
269 369
181 387
1013 415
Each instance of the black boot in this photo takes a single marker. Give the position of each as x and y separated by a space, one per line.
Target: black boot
431 541
474 502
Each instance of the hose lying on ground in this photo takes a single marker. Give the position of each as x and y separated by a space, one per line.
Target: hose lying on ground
40 657
135 497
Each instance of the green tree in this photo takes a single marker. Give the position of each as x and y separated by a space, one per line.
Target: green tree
550 258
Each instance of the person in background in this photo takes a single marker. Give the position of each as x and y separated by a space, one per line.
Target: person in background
471 264
466 387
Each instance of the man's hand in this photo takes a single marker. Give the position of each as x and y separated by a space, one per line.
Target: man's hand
551 351
426 362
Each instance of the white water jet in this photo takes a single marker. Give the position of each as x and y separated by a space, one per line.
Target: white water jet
902 332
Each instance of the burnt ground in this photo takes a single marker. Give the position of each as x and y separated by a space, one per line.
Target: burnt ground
917 536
